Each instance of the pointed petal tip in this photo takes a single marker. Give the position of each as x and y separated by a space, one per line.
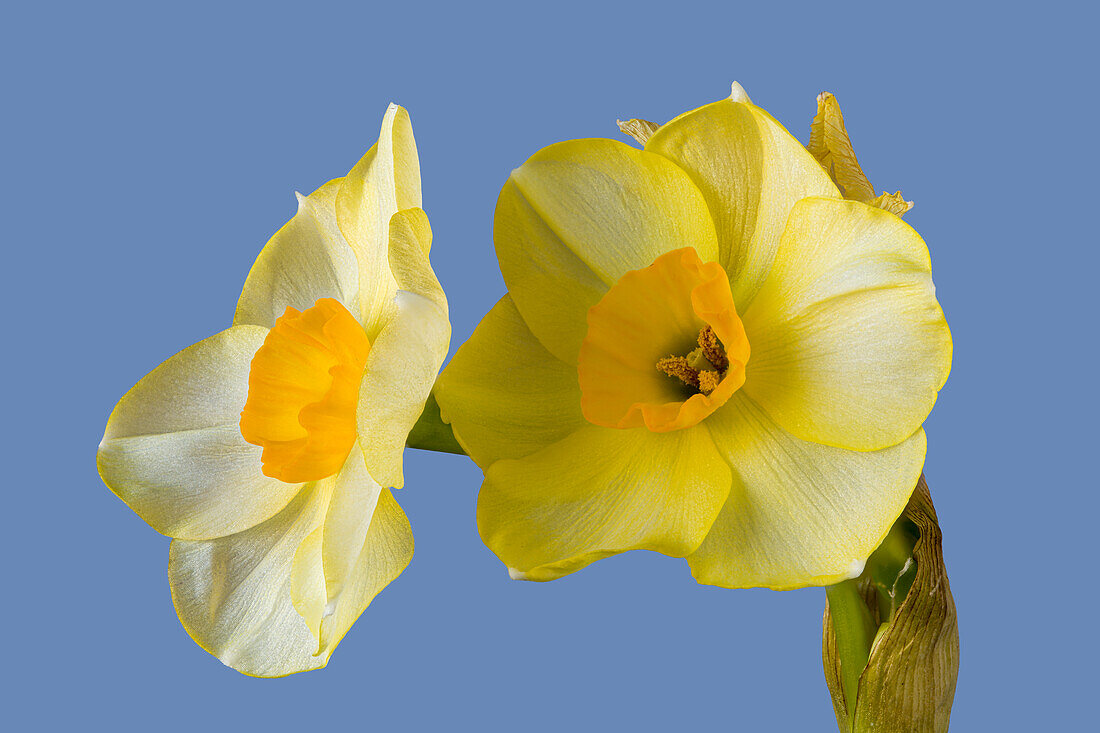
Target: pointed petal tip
516 574
738 93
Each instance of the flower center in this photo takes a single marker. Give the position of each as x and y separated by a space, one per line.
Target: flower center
665 347
703 368
303 388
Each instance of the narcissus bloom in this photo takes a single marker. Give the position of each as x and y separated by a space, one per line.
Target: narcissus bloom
267 451
705 351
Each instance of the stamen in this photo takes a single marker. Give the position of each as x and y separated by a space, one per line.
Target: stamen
695 370
677 366
708 380
638 365
712 349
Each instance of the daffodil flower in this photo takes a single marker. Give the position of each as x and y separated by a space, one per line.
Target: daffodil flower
267 451
705 351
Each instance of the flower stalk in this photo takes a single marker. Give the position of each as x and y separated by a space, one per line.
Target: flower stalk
431 433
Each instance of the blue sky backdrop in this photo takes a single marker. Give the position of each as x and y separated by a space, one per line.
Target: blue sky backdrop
150 151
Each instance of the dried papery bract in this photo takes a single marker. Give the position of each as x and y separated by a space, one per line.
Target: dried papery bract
830 144
640 130
908 683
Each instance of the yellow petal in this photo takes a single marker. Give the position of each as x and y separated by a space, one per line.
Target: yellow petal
799 513
598 492
405 357
233 594
849 346
305 261
577 216
751 172
555 285
173 451
385 181
504 394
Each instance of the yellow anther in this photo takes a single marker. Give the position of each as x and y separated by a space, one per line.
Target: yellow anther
678 366
694 369
625 362
708 380
712 349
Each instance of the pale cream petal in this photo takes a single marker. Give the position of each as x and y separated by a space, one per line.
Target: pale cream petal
577 216
383 555
799 513
406 355
233 594
354 497
410 241
751 172
385 181
173 450
307 581
598 492
305 261
364 543
849 345
504 394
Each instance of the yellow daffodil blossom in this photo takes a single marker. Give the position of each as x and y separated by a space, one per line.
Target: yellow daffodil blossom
705 351
267 451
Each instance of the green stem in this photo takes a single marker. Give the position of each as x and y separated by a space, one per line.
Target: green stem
892 567
431 433
855 631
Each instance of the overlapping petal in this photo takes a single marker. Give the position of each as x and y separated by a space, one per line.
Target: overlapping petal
233 594
751 172
849 345
364 543
504 394
277 598
384 554
172 449
598 492
305 261
383 182
578 215
407 353
799 513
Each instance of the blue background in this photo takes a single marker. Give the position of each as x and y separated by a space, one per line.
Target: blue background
148 154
